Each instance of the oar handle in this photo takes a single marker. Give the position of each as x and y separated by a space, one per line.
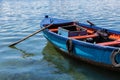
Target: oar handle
30 35
90 23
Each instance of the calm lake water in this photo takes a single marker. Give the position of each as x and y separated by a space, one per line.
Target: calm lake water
34 58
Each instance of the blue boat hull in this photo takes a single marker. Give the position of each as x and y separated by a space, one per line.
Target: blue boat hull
90 52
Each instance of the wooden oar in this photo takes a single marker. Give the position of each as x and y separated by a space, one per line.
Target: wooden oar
30 35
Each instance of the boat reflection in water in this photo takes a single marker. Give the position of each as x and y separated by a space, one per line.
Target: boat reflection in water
76 69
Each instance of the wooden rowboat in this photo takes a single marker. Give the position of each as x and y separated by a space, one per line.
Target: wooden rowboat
87 42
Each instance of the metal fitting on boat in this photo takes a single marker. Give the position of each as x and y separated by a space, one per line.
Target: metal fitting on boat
113 58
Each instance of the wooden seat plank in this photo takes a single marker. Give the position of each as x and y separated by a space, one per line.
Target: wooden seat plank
111 43
83 37
54 30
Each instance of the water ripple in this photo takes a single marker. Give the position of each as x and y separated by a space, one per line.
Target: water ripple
30 60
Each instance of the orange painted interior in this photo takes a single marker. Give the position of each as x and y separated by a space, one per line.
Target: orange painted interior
54 30
90 31
114 36
112 43
83 37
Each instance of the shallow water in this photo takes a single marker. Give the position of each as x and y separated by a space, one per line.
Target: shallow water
34 58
